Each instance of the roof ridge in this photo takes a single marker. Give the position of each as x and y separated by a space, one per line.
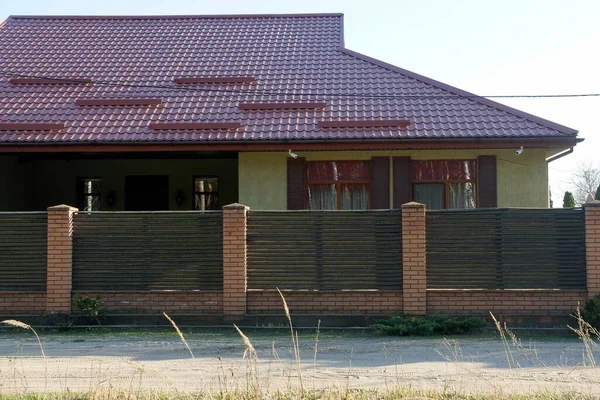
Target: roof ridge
205 16
461 92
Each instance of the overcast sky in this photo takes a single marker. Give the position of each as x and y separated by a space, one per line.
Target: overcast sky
506 47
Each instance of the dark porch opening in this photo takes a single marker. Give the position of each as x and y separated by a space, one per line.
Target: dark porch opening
142 181
146 192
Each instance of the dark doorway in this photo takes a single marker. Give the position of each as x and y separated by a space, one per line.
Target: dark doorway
146 192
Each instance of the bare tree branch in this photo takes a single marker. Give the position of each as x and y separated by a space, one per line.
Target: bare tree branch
585 180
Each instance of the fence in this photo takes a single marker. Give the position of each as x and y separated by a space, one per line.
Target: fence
328 262
325 250
506 249
148 251
23 238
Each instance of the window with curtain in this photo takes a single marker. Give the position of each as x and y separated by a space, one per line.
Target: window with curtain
338 185
443 184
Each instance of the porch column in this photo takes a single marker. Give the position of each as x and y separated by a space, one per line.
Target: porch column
234 261
592 246
59 258
414 282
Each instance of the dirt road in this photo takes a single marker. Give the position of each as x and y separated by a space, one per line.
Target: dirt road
160 361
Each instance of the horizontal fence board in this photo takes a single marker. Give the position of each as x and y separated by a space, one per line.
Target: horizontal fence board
23 250
325 250
506 249
148 251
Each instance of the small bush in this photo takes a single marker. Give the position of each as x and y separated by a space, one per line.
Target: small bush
591 311
91 307
439 324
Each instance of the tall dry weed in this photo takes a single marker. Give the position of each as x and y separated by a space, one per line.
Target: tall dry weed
187 346
295 344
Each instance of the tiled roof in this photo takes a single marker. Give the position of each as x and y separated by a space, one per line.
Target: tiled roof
293 59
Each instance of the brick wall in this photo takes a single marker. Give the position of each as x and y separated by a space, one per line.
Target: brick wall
234 260
504 301
60 258
20 301
197 302
326 302
414 265
592 243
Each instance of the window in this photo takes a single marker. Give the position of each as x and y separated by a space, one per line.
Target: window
444 183
206 193
338 185
89 191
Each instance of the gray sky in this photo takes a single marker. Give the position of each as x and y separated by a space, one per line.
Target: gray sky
503 47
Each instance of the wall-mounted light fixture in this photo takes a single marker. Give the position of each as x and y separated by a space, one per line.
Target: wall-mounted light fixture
179 197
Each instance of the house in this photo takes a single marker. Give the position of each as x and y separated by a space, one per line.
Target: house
272 111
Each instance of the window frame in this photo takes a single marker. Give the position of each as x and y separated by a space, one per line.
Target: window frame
82 195
337 183
448 182
194 192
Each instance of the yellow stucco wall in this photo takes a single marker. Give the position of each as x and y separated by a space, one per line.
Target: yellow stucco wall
522 180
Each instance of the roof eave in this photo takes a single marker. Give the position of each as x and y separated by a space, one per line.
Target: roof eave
283 145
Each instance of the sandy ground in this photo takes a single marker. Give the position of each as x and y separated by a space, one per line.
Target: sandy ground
161 362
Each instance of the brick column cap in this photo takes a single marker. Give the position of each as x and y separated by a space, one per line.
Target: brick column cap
413 204
593 203
235 206
62 207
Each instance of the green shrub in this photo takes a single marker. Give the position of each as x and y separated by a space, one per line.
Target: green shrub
438 324
591 311
91 307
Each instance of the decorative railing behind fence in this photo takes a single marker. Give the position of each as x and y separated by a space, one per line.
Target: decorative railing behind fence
325 250
506 249
23 249
148 250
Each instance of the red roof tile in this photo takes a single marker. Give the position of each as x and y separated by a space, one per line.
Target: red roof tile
282 106
118 102
293 59
194 125
364 123
215 79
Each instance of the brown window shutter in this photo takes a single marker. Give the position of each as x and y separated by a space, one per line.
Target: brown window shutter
380 183
487 182
296 185
402 181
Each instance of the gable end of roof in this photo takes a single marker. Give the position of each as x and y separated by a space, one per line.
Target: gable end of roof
460 92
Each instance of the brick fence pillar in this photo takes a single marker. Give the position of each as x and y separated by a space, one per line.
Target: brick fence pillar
60 258
234 261
592 246
414 282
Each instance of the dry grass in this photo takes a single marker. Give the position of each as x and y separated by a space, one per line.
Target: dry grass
329 394
295 344
589 335
22 325
257 388
187 346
